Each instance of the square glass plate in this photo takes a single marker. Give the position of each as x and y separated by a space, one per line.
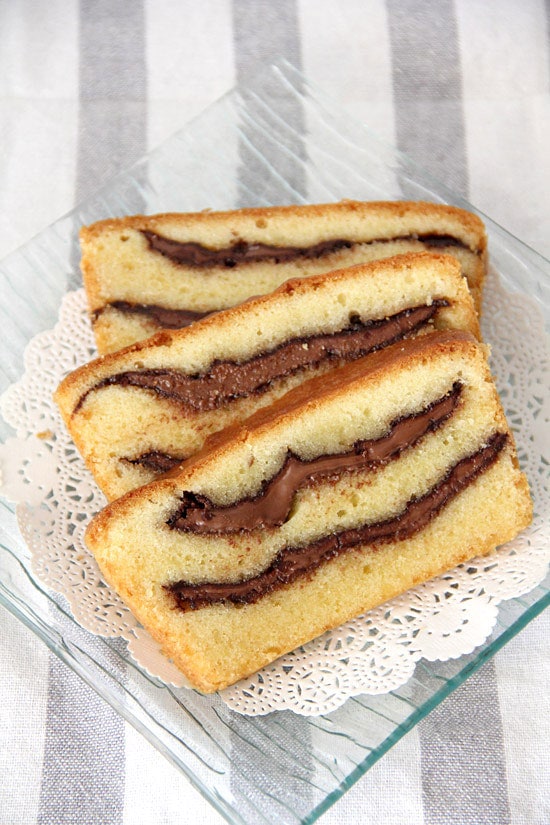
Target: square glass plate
278 141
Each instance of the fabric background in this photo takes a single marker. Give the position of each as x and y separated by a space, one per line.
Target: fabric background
85 89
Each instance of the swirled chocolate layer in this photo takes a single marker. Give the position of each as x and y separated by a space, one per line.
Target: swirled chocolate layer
270 508
196 255
292 563
162 316
156 461
227 380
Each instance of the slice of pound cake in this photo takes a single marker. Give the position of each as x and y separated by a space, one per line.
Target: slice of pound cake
139 412
143 274
349 490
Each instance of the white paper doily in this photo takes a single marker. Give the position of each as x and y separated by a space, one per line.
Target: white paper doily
43 473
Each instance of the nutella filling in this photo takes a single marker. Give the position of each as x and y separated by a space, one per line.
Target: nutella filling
162 316
227 380
270 508
194 254
156 461
292 563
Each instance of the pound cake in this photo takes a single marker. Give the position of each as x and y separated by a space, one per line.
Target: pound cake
350 489
143 274
139 412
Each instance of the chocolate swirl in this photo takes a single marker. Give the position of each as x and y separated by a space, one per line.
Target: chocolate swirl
292 563
156 461
228 380
191 254
164 317
270 508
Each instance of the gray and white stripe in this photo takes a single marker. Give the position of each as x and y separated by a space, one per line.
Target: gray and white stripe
427 88
260 38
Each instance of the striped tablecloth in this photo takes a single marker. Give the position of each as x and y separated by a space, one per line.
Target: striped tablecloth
463 87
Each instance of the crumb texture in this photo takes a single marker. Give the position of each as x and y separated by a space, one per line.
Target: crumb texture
215 644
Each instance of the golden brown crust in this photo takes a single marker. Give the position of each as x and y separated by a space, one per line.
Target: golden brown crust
337 384
215 324
472 224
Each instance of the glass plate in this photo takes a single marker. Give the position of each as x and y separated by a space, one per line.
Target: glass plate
277 141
